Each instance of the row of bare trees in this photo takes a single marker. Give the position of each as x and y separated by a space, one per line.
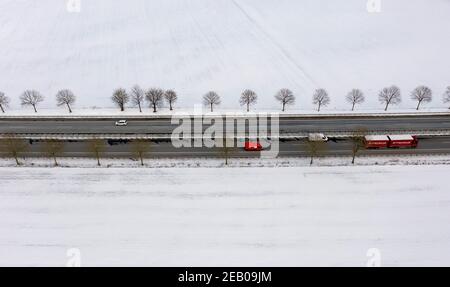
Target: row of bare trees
16 148
156 97
387 96
33 98
319 148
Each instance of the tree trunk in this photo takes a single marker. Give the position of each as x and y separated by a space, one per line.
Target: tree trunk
70 110
54 159
122 107
16 158
318 109
140 108
1 107
312 160
212 107
353 107
284 106
98 158
142 158
354 156
248 107
171 108
387 106
154 108
35 110
418 105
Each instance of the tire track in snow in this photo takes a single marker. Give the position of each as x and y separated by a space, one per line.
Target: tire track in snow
289 59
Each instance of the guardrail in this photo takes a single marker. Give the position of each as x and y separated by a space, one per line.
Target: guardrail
331 134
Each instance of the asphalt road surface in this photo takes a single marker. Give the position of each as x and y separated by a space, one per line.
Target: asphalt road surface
164 126
291 148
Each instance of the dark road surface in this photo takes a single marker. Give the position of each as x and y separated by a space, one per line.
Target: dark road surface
291 148
164 126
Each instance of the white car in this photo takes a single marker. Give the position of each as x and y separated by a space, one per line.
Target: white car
317 138
121 123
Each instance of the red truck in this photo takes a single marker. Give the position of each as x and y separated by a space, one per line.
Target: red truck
390 141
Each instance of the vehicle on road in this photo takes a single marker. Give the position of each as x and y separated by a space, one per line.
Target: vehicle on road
253 146
317 137
121 123
390 141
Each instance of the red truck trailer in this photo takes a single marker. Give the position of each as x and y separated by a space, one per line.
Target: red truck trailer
390 141
376 142
403 141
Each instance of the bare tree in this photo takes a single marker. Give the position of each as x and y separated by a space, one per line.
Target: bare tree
357 142
14 146
356 96
390 95
171 97
65 98
422 94
315 148
227 148
248 98
53 148
211 99
120 98
155 97
321 98
285 97
97 147
447 95
4 101
137 97
140 147
31 98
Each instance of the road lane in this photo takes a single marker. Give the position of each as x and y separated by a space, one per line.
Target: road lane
291 148
164 126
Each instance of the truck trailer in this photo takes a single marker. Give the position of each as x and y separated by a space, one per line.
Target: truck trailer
390 141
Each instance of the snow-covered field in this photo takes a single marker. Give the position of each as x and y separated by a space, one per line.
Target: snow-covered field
386 160
226 45
233 216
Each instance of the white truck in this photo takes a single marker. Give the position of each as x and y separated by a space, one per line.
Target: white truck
317 137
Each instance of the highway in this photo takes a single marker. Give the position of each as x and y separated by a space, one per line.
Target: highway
164 149
290 148
164 126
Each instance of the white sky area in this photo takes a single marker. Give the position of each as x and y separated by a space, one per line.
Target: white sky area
302 216
195 46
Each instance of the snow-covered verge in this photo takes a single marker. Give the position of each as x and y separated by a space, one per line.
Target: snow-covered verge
224 45
321 216
164 112
389 160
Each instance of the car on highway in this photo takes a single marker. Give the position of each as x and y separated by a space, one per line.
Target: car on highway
122 123
317 137
253 146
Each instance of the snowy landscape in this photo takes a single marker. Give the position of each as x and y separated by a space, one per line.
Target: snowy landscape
85 178
320 216
224 45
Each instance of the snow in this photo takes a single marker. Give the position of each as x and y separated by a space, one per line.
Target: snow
380 160
376 138
303 216
97 112
225 45
401 137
